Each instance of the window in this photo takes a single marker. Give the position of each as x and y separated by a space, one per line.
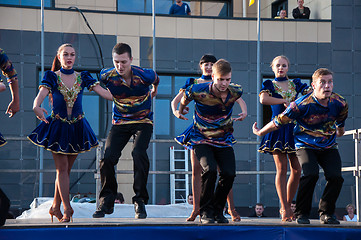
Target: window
215 8
32 3
167 125
277 6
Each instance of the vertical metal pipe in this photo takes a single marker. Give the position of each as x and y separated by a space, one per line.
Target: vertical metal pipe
154 164
357 172
41 155
244 14
258 90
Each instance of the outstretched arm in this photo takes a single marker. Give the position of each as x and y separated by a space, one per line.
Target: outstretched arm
243 106
103 92
14 105
270 127
39 111
174 104
182 108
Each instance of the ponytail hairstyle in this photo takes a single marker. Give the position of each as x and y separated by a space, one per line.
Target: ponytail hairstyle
57 65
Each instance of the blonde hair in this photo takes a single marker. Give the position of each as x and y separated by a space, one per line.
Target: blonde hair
350 205
278 57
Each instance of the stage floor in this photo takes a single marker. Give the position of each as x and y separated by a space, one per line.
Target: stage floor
175 229
111 222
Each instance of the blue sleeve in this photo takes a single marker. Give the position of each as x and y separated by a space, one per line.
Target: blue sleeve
341 119
292 112
104 76
267 86
188 10
148 75
171 10
49 80
189 93
88 80
189 82
300 87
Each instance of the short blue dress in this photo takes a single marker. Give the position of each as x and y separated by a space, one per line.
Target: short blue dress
282 139
66 134
184 137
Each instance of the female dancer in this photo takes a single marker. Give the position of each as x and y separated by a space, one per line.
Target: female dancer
279 93
66 132
205 64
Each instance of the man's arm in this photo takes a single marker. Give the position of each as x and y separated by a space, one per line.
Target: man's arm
243 106
14 105
340 131
270 127
182 108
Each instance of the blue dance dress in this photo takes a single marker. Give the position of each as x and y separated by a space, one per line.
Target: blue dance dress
66 134
184 137
281 139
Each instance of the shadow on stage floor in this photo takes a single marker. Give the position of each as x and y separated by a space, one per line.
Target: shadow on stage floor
174 229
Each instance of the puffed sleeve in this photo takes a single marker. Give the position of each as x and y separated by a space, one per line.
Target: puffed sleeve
237 90
88 80
188 93
267 86
342 116
49 81
301 87
6 66
190 81
148 75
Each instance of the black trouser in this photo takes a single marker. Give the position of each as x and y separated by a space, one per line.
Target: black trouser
330 161
118 137
212 203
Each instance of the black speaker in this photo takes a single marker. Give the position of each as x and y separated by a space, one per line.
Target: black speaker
4 207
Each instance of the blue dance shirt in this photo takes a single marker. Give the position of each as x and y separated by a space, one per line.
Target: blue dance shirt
315 124
180 10
6 66
131 104
213 123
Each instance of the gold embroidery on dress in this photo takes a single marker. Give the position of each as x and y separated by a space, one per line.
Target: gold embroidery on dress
290 94
70 95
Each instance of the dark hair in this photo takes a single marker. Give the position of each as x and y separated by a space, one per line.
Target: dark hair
56 63
121 48
120 197
259 204
207 58
222 67
293 202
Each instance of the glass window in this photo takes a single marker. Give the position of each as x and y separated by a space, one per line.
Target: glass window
165 86
215 8
144 6
33 3
162 120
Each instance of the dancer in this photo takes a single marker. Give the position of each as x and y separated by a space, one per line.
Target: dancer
132 116
205 65
9 72
212 139
66 132
320 117
279 93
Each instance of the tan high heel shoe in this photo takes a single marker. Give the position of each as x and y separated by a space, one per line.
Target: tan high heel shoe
68 216
234 214
55 212
193 216
284 216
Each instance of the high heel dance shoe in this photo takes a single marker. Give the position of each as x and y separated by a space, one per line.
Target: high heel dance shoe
284 216
193 216
68 216
55 212
234 214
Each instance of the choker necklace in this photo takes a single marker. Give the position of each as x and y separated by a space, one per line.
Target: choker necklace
206 77
67 71
281 79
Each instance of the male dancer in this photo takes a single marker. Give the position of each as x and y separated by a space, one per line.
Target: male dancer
320 117
9 72
132 116
212 138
